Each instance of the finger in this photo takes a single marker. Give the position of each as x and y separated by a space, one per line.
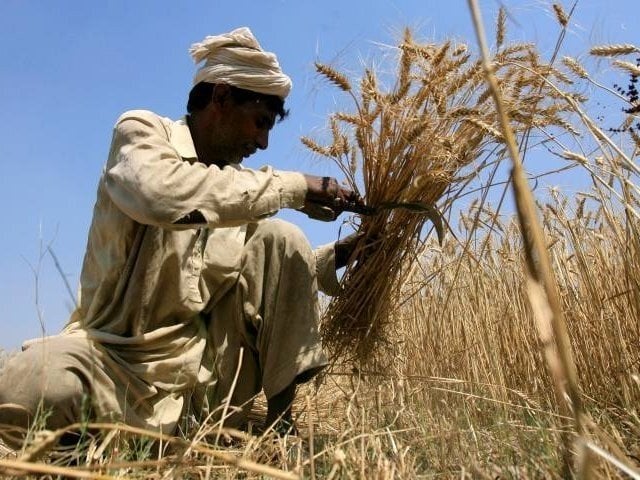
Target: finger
339 204
357 199
345 194
318 211
330 185
352 197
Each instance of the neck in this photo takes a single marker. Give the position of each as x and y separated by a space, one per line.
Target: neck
205 153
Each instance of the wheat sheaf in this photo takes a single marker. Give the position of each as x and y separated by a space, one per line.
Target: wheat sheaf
414 145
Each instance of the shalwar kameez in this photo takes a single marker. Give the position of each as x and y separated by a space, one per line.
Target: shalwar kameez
171 308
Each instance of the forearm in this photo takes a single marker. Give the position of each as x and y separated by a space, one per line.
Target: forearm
151 183
326 269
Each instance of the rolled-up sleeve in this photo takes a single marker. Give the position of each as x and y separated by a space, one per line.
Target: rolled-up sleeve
326 269
148 180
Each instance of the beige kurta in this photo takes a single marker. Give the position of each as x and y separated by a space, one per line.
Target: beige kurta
148 283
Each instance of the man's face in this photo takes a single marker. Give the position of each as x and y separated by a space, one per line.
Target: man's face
241 130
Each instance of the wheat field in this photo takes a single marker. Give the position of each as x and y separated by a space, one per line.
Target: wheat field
459 379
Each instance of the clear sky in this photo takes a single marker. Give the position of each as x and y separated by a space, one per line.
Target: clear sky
69 68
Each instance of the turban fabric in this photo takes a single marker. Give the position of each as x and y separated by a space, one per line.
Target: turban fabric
236 58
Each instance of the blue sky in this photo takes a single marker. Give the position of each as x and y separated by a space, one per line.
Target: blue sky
69 68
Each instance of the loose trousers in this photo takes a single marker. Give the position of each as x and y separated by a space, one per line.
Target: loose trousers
270 315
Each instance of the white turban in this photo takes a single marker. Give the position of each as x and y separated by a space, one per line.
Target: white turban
236 58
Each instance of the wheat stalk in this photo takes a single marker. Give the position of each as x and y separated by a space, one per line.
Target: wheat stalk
613 50
501 26
575 156
573 65
412 145
561 15
627 66
334 76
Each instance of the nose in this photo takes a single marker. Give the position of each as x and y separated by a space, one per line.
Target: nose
262 140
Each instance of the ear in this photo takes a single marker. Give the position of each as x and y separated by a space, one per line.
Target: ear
221 94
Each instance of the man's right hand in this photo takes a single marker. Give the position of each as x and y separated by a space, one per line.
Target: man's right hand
326 199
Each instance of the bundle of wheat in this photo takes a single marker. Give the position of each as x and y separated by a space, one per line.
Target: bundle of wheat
413 147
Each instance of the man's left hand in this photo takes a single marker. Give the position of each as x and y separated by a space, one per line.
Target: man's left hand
345 247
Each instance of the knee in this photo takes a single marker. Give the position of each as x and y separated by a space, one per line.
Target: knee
33 389
281 232
62 399
27 404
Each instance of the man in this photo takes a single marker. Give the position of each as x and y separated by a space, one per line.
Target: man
190 298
